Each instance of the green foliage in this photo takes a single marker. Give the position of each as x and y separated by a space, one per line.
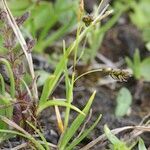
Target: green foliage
135 65
145 69
57 102
11 76
141 13
148 46
95 36
44 16
69 95
70 132
139 16
141 145
83 135
116 143
141 69
40 135
7 111
124 100
20 132
52 81
6 100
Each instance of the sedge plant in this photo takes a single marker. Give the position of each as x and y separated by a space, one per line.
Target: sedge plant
21 102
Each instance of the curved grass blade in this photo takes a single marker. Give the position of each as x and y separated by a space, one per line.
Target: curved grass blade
57 103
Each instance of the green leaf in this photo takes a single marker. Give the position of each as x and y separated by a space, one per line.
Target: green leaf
22 132
6 110
140 13
83 135
52 81
129 63
69 96
112 138
41 14
137 61
46 89
69 133
40 135
18 7
146 34
145 69
141 145
11 76
124 100
58 103
57 34
117 144
148 45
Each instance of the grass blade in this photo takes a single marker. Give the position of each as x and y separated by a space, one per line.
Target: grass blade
69 96
46 89
40 134
117 144
62 63
58 103
26 134
141 145
69 133
85 133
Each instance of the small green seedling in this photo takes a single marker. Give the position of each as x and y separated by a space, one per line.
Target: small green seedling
124 100
116 144
141 69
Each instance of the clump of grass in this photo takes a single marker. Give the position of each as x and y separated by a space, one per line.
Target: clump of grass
23 99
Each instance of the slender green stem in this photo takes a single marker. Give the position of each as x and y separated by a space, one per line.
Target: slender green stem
27 88
61 65
77 44
69 101
40 134
88 72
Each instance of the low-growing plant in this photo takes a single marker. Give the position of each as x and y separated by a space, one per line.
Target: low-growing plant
140 11
95 37
21 105
140 68
44 16
124 100
20 102
116 144
141 71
